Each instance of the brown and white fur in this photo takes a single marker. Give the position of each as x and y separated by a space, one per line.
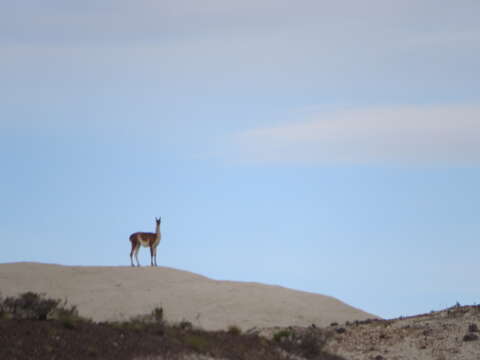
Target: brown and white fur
145 239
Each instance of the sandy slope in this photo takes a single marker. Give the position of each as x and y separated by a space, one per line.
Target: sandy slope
435 336
112 293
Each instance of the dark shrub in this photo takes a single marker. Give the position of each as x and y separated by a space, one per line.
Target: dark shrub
35 306
473 328
234 330
282 335
197 342
30 305
311 344
157 314
185 325
470 337
307 343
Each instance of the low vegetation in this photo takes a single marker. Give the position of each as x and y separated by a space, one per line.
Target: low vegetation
304 342
234 330
34 326
33 306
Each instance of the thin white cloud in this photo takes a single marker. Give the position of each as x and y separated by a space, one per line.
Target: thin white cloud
436 135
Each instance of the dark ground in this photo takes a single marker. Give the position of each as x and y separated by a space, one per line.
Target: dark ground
33 326
33 339
54 339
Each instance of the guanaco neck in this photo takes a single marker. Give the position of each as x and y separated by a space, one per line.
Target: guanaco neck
157 232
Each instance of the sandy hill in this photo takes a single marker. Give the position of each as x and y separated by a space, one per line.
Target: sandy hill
116 293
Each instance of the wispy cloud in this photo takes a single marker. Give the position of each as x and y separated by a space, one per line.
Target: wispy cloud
435 135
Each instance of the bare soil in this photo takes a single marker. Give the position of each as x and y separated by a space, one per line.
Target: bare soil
450 334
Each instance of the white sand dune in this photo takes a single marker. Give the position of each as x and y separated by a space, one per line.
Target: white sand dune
115 293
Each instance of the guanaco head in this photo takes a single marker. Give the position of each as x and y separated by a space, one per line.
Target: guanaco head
158 220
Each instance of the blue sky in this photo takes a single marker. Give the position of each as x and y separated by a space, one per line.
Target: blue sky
324 147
